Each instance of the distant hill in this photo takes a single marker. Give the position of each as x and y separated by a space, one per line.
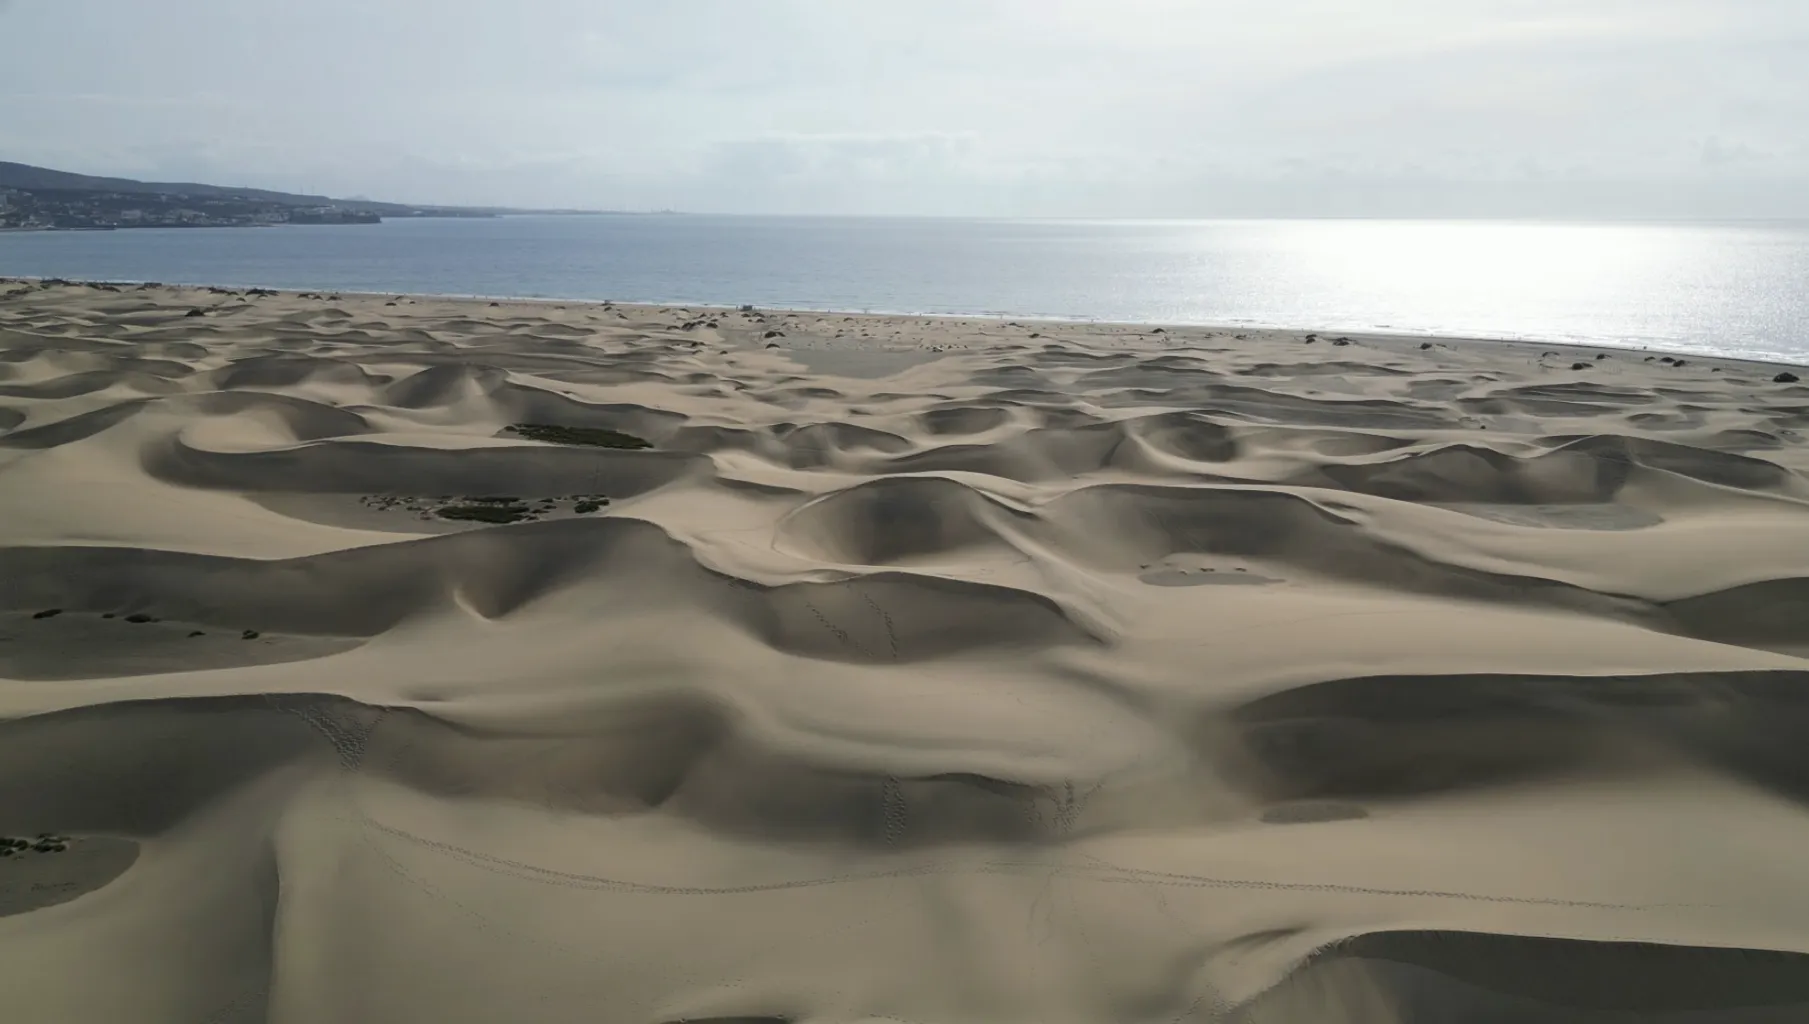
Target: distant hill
27 178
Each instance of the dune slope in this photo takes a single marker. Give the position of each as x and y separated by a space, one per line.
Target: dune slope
369 658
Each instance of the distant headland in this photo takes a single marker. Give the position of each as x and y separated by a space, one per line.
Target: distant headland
37 198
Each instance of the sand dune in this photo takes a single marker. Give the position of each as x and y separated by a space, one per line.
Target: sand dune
443 660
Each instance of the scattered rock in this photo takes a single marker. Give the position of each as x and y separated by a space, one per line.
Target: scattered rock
1785 377
250 634
1160 330
586 507
48 613
1600 356
140 618
194 312
1581 366
1340 342
1679 362
1425 345
773 334
197 633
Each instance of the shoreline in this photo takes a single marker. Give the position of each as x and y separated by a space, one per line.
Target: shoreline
1267 330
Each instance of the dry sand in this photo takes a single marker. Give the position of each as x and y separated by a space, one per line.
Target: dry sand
933 671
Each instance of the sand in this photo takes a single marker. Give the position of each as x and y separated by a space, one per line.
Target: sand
846 668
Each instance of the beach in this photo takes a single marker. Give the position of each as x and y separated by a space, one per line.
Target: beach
392 658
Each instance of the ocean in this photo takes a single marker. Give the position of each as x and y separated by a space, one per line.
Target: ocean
1735 289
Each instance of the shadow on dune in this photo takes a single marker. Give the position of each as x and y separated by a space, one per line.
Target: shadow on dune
364 467
1580 469
963 419
1429 977
136 768
1127 526
690 757
1767 614
1391 736
75 428
74 385
291 370
892 519
361 592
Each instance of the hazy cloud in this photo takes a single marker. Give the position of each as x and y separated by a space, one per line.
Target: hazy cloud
1046 107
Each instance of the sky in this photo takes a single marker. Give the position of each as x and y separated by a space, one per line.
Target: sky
1041 108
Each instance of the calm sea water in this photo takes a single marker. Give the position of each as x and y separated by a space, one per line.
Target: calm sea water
1734 289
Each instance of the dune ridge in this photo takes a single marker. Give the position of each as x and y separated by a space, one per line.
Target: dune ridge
397 658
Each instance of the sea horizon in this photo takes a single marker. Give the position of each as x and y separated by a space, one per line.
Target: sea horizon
1724 288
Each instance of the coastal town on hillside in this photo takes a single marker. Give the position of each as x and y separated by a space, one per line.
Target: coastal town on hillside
43 199
95 210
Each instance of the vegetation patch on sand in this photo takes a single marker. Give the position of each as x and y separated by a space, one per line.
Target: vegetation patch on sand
82 643
488 508
486 513
594 437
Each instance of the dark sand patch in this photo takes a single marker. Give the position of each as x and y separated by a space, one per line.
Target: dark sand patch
1174 577
82 645
44 874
